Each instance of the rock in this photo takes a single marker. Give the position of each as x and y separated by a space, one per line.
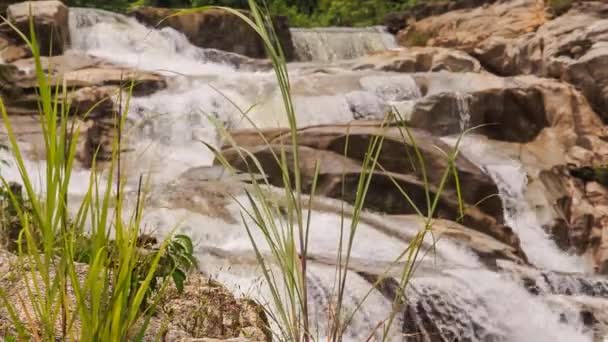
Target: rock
218 29
10 76
575 50
418 59
516 37
395 22
12 53
398 156
207 310
517 109
581 215
487 248
144 83
511 114
465 29
339 176
50 21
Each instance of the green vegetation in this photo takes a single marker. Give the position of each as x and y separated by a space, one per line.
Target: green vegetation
300 12
80 271
560 6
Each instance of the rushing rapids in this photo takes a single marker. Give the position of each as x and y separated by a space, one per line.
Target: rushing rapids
453 296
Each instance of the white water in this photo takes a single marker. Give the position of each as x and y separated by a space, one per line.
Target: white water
169 124
201 94
511 179
338 43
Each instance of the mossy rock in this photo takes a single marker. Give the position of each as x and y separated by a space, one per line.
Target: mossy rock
592 174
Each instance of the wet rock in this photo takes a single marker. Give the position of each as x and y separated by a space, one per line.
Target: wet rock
339 177
488 249
516 109
512 114
433 314
218 29
50 22
144 83
399 156
581 215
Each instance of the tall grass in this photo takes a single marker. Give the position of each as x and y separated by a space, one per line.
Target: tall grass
284 226
79 265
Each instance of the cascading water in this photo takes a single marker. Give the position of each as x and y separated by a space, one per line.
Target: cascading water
203 93
464 300
338 43
511 179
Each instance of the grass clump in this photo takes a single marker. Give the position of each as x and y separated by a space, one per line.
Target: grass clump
83 273
560 7
417 38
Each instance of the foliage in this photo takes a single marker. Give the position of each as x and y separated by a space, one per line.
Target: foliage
174 264
110 298
300 12
560 6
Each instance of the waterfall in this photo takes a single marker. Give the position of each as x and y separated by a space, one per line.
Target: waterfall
201 93
453 291
336 43
511 179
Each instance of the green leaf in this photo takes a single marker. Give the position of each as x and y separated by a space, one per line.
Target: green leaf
179 278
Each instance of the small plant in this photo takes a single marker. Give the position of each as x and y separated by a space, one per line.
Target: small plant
109 297
175 264
417 38
560 6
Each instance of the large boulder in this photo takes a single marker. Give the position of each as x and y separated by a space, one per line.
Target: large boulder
523 109
397 21
339 176
398 155
218 29
521 37
465 29
50 22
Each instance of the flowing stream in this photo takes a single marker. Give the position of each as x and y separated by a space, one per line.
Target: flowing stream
338 43
465 300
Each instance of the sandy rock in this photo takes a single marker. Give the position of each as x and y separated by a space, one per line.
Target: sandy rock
395 22
465 29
